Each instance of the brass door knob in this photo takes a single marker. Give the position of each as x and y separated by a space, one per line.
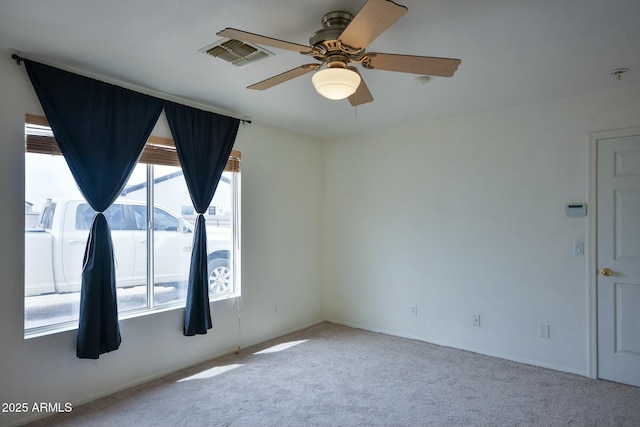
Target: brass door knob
606 272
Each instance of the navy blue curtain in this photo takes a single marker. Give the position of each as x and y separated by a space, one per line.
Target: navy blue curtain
101 130
203 141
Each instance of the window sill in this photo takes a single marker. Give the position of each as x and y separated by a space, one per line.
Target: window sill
72 325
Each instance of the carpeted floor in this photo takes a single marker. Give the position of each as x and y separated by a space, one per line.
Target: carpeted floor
330 375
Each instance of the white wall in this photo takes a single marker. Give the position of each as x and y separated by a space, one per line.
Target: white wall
282 182
466 216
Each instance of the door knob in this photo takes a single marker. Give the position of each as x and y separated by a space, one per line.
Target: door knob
606 272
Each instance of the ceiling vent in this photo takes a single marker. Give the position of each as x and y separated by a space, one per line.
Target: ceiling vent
236 52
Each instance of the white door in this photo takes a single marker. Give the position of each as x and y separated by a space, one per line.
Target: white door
618 255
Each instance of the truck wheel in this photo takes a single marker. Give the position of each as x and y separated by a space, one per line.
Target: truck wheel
219 276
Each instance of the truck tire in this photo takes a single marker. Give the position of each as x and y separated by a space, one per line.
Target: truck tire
219 276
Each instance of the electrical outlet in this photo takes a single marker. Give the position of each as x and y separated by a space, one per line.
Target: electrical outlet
414 310
578 248
476 320
543 331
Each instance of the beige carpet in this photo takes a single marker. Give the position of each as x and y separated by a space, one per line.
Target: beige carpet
330 375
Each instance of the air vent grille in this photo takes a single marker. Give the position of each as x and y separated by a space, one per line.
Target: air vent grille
236 52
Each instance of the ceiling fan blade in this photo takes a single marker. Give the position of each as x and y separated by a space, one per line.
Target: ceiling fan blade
245 36
425 65
362 94
281 78
371 21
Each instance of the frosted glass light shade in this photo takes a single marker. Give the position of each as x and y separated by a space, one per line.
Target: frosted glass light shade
336 83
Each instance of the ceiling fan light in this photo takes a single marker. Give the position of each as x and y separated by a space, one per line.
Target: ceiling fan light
336 83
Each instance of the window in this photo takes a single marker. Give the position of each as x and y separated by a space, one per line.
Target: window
152 224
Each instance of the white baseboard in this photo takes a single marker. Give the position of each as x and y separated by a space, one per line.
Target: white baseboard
471 349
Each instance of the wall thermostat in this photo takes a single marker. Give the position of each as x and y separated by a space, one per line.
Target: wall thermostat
576 209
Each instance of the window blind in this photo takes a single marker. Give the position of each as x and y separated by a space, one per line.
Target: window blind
158 151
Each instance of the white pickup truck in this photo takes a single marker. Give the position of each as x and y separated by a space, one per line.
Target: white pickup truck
54 250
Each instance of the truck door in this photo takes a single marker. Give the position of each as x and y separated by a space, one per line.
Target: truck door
74 240
172 242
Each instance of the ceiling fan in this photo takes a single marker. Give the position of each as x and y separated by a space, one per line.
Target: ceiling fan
343 40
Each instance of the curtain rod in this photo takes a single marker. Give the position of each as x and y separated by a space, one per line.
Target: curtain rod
19 60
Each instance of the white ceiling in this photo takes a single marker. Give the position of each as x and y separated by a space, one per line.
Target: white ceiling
514 52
